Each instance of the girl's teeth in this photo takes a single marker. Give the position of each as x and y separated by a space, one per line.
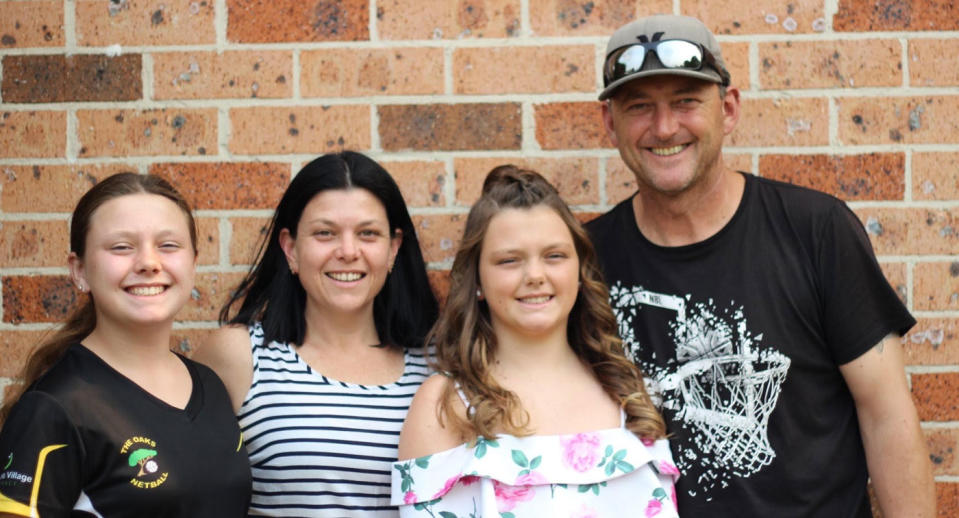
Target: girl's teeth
146 290
536 300
665 151
345 277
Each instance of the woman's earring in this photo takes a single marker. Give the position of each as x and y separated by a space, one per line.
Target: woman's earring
479 294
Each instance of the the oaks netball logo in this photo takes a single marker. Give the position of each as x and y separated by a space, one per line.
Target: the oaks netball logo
143 458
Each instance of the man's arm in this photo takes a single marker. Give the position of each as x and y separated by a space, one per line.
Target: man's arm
896 452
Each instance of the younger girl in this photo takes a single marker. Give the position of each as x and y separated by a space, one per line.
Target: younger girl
537 412
108 421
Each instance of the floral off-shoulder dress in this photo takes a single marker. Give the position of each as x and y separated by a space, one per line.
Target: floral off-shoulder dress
606 473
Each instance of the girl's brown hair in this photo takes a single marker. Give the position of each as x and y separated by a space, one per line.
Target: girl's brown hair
83 320
464 338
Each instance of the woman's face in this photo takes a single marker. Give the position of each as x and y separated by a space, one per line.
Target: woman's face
529 273
342 251
139 263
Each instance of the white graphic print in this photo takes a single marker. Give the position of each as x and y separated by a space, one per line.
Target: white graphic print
721 386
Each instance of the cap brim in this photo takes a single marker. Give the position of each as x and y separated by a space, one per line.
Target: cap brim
706 74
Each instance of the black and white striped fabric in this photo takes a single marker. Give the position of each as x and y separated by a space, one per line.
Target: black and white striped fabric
321 447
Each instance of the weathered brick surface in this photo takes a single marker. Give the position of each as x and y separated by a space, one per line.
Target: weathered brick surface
32 134
49 188
14 348
896 15
269 21
468 126
576 179
736 56
565 125
781 122
899 120
936 286
929 62
597 18
895 274
830 64
208 241
379 71
422 183
144 22
167 131
58 78
934 395
31 24
896 231
232 74
41 298
299 129
540 69
188 341
947 499
211 292
758 17
439 235
247 235
442 19
933 341
935 176
440 283
227 185
34 243
873 176
942 446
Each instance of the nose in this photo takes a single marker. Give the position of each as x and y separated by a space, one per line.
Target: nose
665 123
347 250
148 260
534 273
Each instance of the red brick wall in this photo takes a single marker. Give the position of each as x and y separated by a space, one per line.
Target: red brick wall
228 98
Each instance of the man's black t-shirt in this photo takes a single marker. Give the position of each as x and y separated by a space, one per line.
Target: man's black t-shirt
87 441
741 336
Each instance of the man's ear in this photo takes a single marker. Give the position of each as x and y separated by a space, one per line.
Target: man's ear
731 109
608 122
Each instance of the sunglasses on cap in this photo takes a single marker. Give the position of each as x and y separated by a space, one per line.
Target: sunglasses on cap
672 54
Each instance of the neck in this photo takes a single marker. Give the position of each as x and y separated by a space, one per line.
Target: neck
346 331
527 354
137 345
691 216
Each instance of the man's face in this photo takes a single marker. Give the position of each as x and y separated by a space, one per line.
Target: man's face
669 130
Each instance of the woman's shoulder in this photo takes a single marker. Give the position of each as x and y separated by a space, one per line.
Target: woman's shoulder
425 430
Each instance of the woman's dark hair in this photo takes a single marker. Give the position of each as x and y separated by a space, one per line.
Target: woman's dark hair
403 310
81 322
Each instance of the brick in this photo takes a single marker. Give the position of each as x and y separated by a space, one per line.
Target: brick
898 120
15 346
935 176
576 179
41 298
736 56
210 293
80 78
439 235
442 19
895 274
50 188
208 241
245 239
872 176
232 74
782 122
830 64
299 129
936 286
759 17
270 21
166 131
895 231
144 22
928 62
942 445
446 127
187 341
227 185
596 18
896 15
33 134
422 183
947 499
34 243
31 24
621 182
935 396
440 283
933 341
378 71
524 70
570 125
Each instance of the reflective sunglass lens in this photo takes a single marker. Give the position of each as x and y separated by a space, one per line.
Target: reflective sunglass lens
679 54
630 61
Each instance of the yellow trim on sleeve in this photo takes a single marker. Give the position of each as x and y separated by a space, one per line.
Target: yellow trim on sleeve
8 505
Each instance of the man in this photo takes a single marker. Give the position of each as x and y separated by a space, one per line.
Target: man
756 308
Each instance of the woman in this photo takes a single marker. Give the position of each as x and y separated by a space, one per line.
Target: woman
324 353
537 412
108 421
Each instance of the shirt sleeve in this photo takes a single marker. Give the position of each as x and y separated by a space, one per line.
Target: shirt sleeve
860 307
41 455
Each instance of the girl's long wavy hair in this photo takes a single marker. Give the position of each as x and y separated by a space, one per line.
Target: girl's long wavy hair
464 338
81 322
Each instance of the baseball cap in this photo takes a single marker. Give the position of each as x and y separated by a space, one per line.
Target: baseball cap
661 28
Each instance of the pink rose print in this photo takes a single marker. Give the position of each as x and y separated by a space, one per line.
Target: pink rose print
648 442
469 479
508 496
672 496
653 507
409 498
530 479
446 487
584 512
581 452
668 468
